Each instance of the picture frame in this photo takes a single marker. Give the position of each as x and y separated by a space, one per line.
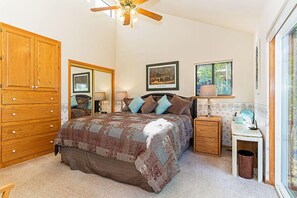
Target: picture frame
162 76
81 82
258 68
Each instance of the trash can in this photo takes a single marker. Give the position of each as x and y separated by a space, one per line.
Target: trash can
245 164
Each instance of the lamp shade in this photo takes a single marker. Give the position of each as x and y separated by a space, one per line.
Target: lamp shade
100 96
120 95
208 90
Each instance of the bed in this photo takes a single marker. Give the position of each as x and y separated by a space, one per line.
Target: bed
137 149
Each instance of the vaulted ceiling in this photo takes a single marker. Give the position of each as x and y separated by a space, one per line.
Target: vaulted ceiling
238 14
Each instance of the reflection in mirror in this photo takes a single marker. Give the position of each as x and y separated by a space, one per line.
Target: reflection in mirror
103 92
81 92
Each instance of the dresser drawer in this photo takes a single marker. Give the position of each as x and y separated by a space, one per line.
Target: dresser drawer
16 113
26 130
207 147
205 123
207 131
29 97
12 150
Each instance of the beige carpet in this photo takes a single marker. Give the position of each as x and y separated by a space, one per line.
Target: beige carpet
200 176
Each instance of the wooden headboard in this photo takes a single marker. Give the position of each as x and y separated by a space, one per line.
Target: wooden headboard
170 95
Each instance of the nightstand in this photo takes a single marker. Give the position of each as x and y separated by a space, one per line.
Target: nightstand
208 135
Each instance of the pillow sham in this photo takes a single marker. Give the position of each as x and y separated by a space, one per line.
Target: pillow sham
73 101
178 106
149 105
127 101
163 105
136 104
187 111
82 103
89 107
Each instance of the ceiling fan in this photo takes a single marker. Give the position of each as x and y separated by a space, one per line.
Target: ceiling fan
128 10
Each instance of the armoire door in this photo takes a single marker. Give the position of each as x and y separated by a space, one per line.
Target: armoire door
47 64
17 59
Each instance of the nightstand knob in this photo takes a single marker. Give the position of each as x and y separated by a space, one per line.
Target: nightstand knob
14 99
51 126
14 151
52 111
51 98
51 141
13 132
13 114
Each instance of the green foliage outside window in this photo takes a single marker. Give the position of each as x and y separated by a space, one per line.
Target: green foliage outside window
219 74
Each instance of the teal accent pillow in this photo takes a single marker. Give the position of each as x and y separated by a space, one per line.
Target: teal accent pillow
73 101
136 104
89 105
163 105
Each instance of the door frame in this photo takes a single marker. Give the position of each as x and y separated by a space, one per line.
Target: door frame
283 31
93 68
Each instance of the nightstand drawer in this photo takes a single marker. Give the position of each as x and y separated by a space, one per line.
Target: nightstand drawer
207 147
207 131
206 123
206 139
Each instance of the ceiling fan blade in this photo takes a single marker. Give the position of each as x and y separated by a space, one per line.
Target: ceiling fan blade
149 14
127 19
105 8
138 2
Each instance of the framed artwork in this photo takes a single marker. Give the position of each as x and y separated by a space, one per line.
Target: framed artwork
162 76
81 82
258 68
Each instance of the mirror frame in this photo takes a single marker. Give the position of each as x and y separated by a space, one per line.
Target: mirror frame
93 68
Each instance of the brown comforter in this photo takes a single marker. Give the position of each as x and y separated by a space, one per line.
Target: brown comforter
153 143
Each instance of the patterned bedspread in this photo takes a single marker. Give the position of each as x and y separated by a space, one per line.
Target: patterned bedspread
152 142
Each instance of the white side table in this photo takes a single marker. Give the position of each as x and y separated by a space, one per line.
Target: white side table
242 132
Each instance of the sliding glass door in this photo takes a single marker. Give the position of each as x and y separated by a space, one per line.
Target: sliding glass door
286 109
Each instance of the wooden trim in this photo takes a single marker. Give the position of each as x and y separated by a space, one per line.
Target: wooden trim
272 112
93 68
215 97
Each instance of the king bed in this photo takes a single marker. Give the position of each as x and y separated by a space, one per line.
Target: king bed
133 148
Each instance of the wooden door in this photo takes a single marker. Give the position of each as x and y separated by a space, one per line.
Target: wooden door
17 59
47 64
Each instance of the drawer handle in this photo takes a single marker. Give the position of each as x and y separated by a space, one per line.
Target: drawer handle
51 126
13 132
33 86
52 111
14 151
52 141
51 98
14 99
36 87
13 114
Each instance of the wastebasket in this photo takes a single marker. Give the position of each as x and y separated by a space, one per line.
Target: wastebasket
245 164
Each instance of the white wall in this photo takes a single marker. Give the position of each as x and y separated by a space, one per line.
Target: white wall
271 11
187 41
85 36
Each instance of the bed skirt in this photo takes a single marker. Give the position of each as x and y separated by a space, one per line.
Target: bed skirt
92 163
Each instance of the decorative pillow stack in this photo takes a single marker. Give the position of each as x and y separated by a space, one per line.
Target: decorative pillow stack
177 105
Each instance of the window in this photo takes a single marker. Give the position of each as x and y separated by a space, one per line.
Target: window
219 74
102 3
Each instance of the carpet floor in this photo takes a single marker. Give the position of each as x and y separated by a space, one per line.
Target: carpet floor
200 176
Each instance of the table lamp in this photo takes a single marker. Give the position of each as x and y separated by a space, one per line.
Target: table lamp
120 95
101 97
208 91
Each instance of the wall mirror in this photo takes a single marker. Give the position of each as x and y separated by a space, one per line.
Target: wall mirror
90 88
